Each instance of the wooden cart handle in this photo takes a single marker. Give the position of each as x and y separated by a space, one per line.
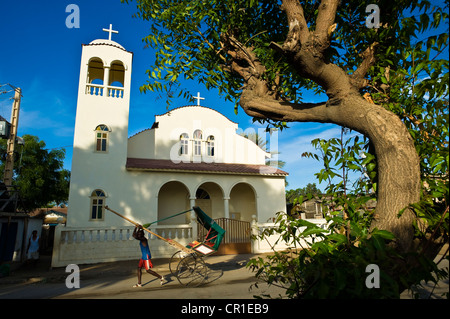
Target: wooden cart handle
169 241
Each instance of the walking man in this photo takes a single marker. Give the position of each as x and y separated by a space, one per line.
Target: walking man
145 261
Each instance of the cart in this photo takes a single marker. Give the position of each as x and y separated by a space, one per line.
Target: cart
187 263
189 267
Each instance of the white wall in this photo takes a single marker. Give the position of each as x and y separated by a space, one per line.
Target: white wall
229 146
142 145
90 169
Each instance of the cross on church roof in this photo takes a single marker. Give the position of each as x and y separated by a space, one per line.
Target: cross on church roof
198 98
110 30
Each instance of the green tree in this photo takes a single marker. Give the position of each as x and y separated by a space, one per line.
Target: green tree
262 54
310 189
389 83
38 173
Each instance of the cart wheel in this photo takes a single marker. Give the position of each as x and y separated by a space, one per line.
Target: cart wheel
191 271
175 260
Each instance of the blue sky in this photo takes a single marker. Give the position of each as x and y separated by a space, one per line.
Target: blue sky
42 56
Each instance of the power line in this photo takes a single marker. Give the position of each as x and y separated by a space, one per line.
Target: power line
55 148
14 88
5 91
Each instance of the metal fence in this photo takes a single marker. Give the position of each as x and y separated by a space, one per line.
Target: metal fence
236 231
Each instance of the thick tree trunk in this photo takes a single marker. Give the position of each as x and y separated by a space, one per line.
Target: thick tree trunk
398 175
397 159
398 166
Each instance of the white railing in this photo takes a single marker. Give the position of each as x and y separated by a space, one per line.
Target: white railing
172 232
78 245
276 242
73 235
112 91
85 235
94 89
116 92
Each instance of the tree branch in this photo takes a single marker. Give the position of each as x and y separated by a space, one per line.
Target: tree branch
325 20
241 52
209 44
304 50
278 110
298 27
246 64
358 77
259 98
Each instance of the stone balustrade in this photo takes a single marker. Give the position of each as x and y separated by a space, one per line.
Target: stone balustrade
94 245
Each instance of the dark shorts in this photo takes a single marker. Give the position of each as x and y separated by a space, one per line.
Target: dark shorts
145 263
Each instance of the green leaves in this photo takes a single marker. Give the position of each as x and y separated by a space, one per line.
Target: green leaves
409 77
342 157
39 173
186 36
331 262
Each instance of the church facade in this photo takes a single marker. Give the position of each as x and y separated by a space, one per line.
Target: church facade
190 156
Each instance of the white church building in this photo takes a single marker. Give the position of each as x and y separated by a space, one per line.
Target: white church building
190 156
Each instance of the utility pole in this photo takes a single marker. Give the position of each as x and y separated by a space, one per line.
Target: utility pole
9 164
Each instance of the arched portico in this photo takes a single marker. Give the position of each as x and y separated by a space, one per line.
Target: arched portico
209 196
173 198
242 202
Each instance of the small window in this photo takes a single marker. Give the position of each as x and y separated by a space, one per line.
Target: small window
198 135
101 138
97 204
184 144
198 143
210 145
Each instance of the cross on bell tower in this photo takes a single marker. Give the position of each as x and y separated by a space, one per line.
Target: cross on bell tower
110 31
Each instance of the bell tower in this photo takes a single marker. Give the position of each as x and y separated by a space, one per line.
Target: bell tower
101 126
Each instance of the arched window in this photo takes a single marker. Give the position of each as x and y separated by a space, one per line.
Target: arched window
198 142
95 75
184 144
210 145
96 71
202 194
101 138
97 203
116 79
116 74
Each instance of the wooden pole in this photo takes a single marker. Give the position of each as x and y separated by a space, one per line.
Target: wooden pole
169 241
9 164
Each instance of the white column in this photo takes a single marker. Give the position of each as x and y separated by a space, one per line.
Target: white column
193 220
192 200
255 233
105 81
226 206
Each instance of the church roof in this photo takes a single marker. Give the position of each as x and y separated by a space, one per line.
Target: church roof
195 106
107 43
160 165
